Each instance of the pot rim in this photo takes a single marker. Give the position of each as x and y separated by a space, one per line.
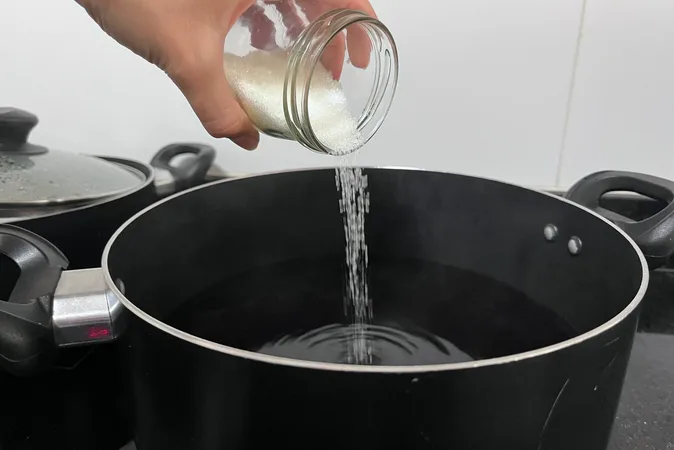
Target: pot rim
340 367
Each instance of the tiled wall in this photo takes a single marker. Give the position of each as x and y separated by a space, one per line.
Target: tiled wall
489 87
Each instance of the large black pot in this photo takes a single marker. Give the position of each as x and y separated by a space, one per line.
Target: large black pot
191 393
76 202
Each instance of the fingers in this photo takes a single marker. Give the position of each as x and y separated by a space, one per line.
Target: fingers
205 86
262 30
291 19
361 5
333 55
358 41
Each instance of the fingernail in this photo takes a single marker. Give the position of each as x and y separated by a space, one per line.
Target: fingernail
247 142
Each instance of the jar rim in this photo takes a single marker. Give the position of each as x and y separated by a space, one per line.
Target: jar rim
304 58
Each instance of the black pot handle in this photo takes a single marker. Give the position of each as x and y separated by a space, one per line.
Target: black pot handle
654 235
27 341
191 171
15 127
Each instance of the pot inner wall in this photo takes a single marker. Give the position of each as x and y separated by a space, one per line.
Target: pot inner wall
459 267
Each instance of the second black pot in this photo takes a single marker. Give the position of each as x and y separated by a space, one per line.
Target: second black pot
78 201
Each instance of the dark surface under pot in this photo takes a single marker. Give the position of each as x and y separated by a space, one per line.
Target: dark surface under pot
645 419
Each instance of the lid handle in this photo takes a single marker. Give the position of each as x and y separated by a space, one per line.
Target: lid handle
15 127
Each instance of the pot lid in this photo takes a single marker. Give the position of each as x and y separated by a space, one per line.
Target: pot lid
32 175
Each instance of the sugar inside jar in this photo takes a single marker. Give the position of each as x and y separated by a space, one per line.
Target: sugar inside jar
324 78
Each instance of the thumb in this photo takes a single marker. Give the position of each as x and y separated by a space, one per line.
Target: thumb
204 85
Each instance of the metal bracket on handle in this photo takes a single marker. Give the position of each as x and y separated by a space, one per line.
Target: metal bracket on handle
85 311
50 307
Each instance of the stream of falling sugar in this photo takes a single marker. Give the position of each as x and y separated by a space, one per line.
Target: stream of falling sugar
354 204
258 79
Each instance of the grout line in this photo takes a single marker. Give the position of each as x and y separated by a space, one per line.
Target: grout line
572 85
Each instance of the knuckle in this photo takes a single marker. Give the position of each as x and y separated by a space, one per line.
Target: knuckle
181 66
191 57
94 8
187 69
225 127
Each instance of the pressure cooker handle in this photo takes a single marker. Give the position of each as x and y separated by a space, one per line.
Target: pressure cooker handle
49 307
188 172
654 235
27 341
15 127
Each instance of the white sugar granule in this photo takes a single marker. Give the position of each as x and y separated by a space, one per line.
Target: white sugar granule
258 79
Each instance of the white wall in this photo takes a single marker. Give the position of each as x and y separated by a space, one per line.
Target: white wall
487 87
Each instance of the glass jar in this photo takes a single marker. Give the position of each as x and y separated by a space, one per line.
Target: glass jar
323 77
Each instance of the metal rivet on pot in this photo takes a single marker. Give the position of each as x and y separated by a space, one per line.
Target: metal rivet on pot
550 232
575 245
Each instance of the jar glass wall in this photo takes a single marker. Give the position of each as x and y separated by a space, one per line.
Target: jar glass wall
323 77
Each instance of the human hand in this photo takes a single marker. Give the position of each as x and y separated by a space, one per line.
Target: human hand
185 39
356 40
